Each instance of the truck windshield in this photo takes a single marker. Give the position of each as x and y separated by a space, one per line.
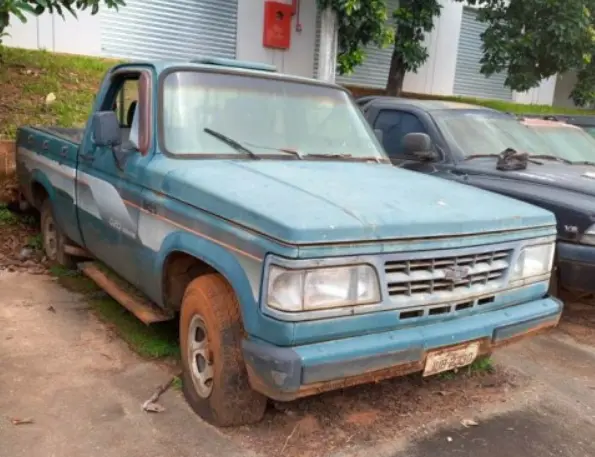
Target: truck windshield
476 132
261 116
566 142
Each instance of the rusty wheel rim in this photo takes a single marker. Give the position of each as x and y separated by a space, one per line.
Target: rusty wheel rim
200 359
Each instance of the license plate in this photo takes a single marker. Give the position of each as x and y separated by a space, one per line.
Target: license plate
451 358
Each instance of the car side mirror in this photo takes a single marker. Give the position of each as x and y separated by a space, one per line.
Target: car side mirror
379 134
419 145
106 129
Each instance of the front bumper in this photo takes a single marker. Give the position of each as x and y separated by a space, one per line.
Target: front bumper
576 266
284 373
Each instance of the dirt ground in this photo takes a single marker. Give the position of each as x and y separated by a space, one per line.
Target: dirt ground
82 388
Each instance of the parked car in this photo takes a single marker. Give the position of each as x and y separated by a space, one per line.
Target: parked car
261 208
478 146
584 121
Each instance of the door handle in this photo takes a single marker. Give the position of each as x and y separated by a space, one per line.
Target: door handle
64 151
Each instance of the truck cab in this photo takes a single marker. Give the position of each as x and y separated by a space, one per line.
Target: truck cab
260 211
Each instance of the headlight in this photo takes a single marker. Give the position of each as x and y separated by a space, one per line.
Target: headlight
589 236
320 288
534 261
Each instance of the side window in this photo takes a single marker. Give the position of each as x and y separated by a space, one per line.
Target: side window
124 101
395 125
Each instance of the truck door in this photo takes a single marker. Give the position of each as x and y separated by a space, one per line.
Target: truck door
108 189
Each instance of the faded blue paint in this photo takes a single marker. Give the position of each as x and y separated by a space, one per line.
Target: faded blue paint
338 358
233 213
321 202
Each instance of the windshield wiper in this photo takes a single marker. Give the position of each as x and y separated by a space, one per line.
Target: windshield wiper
231 142
582 162
285 150
480 156
550 157
343 156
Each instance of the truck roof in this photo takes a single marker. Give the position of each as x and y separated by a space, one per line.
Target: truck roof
228 66
536 122
427 105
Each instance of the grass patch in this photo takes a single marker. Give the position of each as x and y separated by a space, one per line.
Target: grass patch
35 242
155 341
479 365
27 77
177 383
7 217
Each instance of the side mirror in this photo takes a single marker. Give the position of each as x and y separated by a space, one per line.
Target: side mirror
106 129
379 134
419 145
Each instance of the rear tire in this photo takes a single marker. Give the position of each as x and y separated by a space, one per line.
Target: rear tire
54 240
215 381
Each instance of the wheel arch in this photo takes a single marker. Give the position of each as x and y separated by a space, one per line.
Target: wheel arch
184 256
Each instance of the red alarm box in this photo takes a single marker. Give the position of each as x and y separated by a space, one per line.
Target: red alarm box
277 25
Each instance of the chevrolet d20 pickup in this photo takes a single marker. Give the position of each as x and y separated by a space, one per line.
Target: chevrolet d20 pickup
260 210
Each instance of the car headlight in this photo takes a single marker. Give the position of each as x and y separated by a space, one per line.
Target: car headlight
534 261
321 288
589 236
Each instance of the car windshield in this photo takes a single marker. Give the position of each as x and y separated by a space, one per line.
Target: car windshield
225 114
569 143
589 129
477 132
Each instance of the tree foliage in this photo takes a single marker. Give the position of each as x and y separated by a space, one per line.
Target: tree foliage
361 23
413 18
528 40
20 8
531 40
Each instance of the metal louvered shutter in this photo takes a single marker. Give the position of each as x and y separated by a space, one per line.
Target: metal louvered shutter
468 78
317 42
166 29
373 72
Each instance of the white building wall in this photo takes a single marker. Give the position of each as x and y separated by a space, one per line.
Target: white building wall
563 87
52 33
437 75
298 59
541 95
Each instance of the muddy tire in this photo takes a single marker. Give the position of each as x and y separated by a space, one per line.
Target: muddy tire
214 379
53 238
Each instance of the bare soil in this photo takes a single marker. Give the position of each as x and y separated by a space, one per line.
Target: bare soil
352 418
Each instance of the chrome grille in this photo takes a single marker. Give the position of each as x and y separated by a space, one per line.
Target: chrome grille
429 278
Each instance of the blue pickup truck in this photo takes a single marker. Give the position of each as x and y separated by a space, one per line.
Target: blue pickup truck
260 210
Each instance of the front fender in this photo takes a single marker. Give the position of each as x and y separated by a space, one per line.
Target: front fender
225 262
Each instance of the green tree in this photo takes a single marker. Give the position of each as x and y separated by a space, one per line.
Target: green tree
414 18
19 9
360 23
531 40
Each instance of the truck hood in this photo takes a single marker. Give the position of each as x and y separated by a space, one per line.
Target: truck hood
566 190
306 202
553 175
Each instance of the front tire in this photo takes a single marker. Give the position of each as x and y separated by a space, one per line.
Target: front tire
214 378
54 240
